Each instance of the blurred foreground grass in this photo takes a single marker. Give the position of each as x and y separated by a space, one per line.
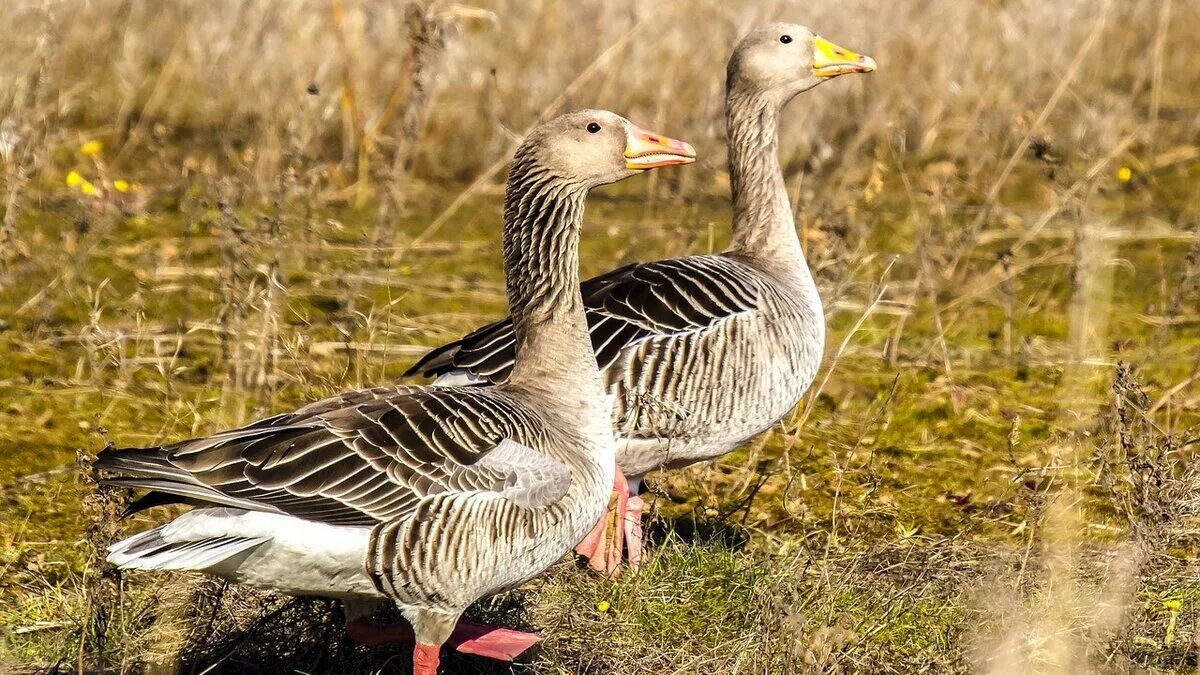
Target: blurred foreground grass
191 239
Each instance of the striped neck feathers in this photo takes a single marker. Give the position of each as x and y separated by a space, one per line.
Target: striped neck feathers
543 215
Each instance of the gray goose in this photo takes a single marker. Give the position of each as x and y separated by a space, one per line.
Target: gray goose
700 353
429 497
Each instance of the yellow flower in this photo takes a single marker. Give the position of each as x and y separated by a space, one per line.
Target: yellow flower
74 179
121 185
602 606
91 148
87 188
1124 174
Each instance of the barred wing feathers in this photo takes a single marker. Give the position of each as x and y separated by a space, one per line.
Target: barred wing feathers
358 458
675 297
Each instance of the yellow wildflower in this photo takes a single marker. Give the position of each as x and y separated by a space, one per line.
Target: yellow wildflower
87 188
602 606
1172 623
1124 174
74 179
91 148
121 185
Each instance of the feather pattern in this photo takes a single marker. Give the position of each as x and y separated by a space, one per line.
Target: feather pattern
678 297
700 353
360 458
431 497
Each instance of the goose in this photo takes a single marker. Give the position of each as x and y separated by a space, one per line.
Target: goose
700 353
429 497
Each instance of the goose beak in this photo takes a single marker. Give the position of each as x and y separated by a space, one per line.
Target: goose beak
830 60
646 150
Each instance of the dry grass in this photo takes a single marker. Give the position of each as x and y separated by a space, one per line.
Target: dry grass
290 198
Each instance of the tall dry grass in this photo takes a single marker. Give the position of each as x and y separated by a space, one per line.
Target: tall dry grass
441 87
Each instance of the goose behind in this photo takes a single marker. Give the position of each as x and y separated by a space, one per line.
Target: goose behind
431 498
701 353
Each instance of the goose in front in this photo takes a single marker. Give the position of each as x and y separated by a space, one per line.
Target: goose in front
431 498
701 353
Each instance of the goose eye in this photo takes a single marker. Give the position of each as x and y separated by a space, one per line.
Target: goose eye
592 127
785 39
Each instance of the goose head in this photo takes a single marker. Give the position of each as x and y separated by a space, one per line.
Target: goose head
590 148
781 60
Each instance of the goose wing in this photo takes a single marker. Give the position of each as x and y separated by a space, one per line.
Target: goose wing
356 459
678 297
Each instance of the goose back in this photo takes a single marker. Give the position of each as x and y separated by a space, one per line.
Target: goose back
699 353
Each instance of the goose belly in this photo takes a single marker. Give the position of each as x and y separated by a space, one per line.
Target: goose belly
734 385
298 557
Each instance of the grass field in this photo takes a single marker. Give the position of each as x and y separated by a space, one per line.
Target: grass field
214 211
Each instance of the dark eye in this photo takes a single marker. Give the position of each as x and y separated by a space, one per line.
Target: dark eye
592 127
785 39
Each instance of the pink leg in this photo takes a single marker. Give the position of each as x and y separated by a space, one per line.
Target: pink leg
595 541
604 545
633 531
615 524
426 658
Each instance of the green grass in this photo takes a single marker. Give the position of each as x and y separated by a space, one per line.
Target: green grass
912 461
915 461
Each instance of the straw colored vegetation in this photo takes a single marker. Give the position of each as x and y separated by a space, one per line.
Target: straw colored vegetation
213 210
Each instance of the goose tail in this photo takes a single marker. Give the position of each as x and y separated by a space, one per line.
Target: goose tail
151 469
155 550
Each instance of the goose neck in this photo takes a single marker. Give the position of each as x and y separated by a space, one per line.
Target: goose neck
543 215
763 225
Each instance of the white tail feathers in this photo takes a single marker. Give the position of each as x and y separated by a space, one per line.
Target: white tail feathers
151 551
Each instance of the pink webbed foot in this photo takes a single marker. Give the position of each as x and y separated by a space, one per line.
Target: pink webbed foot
595 544
620 529
502 644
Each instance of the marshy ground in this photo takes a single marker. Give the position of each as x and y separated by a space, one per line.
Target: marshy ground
215 211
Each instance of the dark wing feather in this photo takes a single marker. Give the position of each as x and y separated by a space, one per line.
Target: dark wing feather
625 306
354 459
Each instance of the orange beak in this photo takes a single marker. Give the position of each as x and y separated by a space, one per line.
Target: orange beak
646 150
